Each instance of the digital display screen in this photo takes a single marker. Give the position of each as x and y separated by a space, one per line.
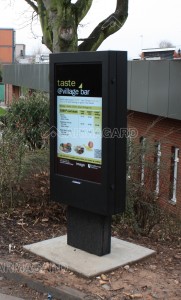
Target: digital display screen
78 89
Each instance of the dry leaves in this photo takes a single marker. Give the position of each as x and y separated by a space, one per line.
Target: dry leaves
133 296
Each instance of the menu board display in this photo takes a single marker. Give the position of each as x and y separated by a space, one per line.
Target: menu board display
79 121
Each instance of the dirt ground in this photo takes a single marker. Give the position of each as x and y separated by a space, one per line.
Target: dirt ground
157 277
9 287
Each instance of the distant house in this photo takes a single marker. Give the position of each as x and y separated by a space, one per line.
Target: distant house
19 52
158 53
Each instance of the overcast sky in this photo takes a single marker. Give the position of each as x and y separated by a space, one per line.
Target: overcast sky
148 23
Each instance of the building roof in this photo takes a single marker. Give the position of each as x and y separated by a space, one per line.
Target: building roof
158 49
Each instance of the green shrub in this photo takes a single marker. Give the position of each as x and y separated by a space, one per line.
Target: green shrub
12 151
24 172
35 176
143 209
29 118
144 215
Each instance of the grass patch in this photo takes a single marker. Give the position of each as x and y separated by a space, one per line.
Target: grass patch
2 111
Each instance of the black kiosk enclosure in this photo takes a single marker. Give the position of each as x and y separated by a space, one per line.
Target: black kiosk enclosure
88 92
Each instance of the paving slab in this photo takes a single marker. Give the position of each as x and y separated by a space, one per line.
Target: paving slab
7 297
57 251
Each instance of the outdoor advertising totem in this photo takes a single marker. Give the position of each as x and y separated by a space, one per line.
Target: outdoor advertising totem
88 93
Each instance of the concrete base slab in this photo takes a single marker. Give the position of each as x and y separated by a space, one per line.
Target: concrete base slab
57 251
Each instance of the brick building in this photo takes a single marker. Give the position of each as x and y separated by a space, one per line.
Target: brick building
158 170
7 45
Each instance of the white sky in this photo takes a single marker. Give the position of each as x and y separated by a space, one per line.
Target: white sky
148 23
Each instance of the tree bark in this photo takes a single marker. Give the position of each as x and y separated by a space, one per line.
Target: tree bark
58 25
60 19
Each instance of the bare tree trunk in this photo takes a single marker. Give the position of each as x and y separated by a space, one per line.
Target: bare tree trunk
58 25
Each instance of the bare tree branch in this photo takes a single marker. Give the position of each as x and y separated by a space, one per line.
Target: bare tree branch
81 8
32 4
107 27
43 11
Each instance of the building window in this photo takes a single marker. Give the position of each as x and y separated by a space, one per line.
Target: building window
143 148
175 161
158 160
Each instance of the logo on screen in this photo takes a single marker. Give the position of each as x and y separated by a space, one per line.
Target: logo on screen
60 91
67 91
73 92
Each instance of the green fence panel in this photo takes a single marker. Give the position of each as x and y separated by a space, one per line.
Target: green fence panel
2 92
